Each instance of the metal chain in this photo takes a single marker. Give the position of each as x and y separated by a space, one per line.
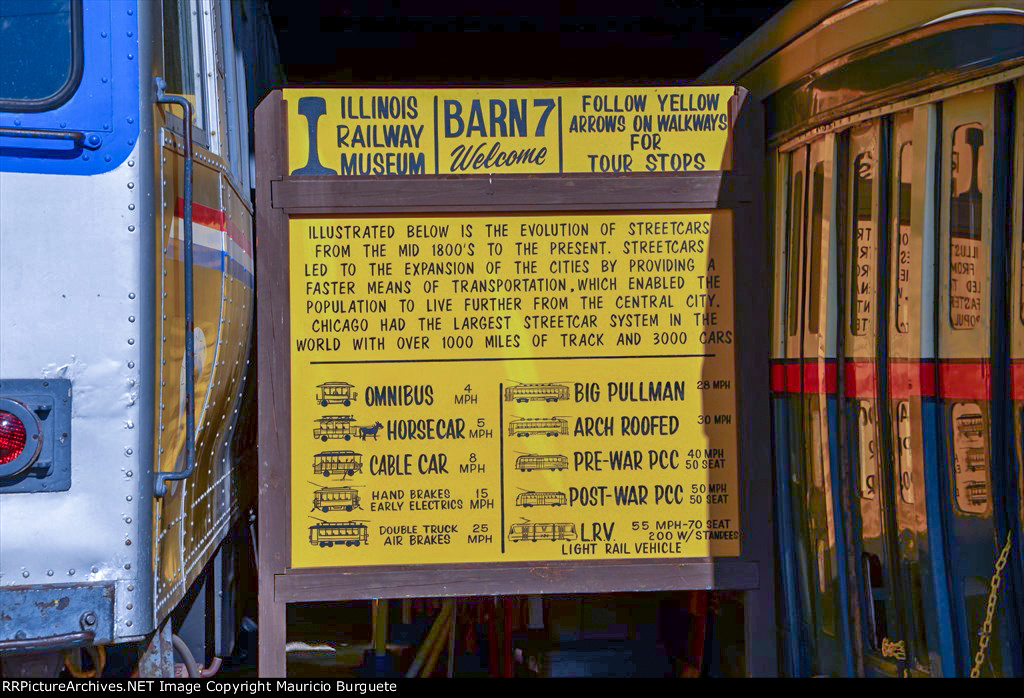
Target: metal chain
993 600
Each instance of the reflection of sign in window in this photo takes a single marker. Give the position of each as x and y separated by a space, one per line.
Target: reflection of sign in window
868 449
966 265
904 452
865 247
903 253
970 458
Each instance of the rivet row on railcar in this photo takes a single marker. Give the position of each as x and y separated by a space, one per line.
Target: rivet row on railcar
105 522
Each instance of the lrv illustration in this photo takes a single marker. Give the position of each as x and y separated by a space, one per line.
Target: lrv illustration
544 426
336 392
349 533
343 427
535 461
541 531
548 392
342 463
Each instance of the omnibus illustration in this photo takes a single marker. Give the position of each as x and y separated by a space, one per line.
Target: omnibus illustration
544 426
535 461
541 499
548 392
330 498
336 392
541 531
343 463
343 427
327 535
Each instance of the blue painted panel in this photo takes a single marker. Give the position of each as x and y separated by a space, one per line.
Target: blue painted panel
105 107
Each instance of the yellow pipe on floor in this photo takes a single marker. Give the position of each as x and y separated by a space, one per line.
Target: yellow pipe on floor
436 631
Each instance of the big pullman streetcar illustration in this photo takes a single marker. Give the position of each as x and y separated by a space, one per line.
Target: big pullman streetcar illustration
548 392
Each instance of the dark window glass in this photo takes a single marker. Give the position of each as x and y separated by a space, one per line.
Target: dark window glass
795 218
39 40
814 246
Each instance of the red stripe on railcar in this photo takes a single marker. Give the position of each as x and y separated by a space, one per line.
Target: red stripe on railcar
820 377
861 380
911 379
970 380
1017 379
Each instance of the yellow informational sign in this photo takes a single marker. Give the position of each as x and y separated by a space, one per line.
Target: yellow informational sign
495 388
620 130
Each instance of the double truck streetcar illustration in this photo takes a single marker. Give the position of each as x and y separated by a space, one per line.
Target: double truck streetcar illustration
547 392
534 532
334 393
529 462
529 498
344 463
343 427
331 498
539 426
348 533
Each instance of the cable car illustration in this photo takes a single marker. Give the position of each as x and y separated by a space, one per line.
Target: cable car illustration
541 531
343 427
336 392
540 499
330 498
545 426
342 463
534 461
349 533
548 392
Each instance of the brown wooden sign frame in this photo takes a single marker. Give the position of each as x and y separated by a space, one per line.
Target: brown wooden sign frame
280 196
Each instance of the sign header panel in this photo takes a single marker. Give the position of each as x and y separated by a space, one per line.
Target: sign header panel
408 132
492 388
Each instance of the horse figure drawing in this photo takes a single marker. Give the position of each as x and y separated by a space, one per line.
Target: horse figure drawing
370 431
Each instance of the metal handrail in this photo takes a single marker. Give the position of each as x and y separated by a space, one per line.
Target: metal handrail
160 486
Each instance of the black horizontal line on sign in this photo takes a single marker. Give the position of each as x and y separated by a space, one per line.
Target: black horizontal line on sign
524 358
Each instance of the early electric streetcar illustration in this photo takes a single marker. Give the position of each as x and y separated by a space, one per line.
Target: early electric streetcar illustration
331 498
541 499
545 426
534 461
348 533
548 392
534 532
342 463
336 392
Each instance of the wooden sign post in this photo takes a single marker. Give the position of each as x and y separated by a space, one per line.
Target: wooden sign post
512 341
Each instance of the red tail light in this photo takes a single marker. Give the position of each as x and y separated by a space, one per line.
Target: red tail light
12 437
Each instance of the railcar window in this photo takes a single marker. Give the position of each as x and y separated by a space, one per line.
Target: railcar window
795 220
814 246
40 53
182 55
965 228
863 277
903 252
